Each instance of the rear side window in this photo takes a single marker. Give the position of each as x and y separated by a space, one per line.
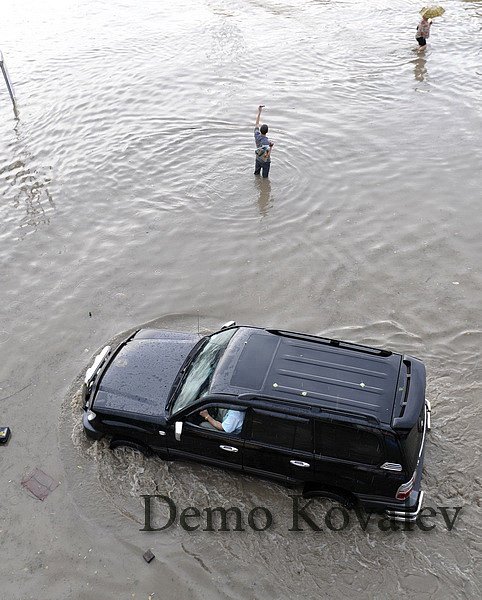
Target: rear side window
348 442
275 430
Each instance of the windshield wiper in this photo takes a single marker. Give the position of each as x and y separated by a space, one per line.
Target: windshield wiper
183 373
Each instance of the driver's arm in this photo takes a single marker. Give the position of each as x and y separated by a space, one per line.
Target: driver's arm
211 421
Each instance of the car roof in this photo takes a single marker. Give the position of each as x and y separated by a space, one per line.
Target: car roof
310 371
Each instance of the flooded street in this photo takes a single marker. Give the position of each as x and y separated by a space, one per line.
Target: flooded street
127 197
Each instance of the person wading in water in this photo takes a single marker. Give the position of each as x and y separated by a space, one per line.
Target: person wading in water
263 146
423 32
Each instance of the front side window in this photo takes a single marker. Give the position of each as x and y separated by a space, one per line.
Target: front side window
217 418
197 378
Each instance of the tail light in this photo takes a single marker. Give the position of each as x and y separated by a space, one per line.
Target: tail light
405 489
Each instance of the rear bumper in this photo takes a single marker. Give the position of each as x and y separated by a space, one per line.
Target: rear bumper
406 512
428 415
90 431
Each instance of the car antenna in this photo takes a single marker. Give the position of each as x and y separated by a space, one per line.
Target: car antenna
198 332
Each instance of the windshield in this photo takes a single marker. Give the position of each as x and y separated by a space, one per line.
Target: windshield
196 381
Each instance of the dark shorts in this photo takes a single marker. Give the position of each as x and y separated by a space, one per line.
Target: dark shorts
422 41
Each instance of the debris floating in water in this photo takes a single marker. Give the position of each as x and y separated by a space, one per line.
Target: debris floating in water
39 484
148 556
4 434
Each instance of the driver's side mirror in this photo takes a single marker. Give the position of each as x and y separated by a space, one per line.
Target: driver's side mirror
178 430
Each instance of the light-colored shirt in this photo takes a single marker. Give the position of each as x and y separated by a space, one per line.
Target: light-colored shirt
423 29
233 421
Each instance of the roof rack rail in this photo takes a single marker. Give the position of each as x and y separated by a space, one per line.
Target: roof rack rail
278 400
331 342
307 407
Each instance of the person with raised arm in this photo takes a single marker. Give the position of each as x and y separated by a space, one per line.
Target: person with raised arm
263 146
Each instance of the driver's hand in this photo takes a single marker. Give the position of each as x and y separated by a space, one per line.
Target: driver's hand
204 414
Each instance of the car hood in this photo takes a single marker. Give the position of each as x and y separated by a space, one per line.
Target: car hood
140 377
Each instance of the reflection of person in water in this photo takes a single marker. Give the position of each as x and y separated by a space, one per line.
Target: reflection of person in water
264 198
420 69
231 420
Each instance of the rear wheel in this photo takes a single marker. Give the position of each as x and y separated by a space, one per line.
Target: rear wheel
314 490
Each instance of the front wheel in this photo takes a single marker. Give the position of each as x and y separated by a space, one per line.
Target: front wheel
119 443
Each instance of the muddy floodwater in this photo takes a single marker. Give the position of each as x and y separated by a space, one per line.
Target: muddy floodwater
127 197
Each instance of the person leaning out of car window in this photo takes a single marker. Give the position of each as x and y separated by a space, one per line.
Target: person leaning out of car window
231 420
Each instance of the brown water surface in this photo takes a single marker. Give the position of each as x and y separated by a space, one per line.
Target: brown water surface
127 196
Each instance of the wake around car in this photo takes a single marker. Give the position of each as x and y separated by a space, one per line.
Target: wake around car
347 421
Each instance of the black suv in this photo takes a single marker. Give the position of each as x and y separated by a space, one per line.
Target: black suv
347 420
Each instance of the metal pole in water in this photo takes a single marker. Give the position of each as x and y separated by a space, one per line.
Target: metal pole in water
8 81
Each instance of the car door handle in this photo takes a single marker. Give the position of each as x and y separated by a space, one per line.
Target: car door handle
228 448
299 463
